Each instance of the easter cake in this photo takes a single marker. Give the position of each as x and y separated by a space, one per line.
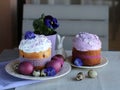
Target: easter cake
86 49
36 49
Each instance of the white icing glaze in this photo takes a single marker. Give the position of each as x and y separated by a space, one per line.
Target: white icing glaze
37 44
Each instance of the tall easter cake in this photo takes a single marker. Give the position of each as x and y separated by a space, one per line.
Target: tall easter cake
86 48
36 49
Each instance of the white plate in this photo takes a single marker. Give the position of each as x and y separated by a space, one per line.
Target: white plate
103 62
64 70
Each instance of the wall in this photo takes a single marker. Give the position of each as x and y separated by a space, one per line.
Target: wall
7 32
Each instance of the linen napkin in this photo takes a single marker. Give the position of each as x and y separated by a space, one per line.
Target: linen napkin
7 81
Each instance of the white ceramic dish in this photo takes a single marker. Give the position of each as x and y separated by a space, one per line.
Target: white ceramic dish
104 62
64 70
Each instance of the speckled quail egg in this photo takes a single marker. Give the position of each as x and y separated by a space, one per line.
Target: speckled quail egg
36 73
80 76
42 73
15 67
92 73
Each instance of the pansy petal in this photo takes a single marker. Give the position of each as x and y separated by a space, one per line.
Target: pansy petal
48 17
55 26
50 71
29 35
78 62
47 23
55 20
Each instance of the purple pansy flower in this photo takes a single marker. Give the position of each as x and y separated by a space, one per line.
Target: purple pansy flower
50 71
78 62
29 35
45 25
51 22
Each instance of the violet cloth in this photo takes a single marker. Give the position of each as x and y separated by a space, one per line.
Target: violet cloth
7 81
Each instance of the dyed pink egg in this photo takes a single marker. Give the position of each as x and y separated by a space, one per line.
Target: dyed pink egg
25 68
